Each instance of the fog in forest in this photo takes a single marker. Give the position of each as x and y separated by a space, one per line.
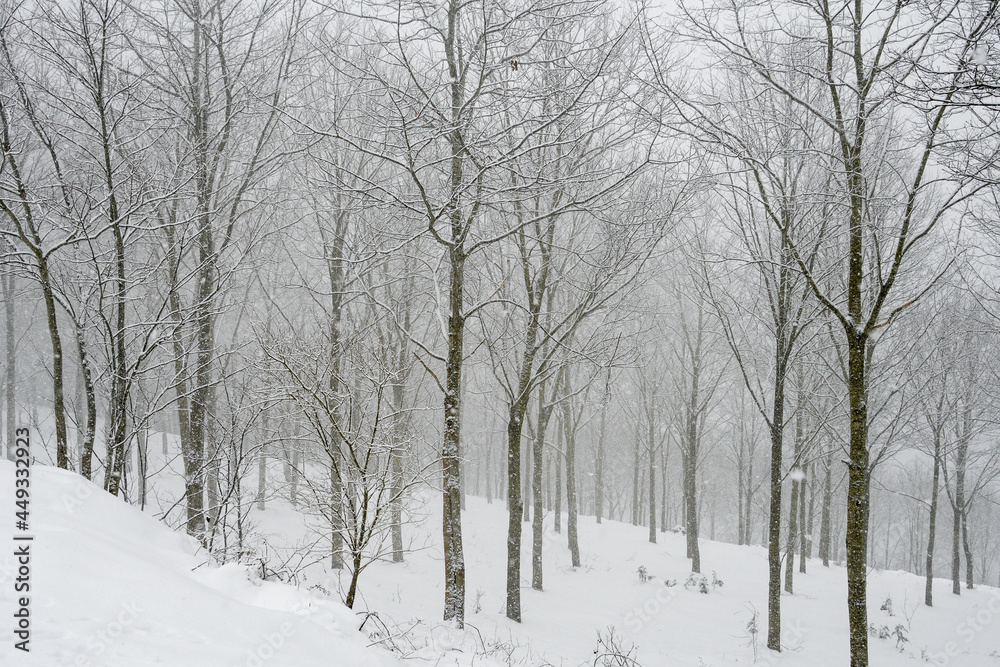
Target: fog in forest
325 287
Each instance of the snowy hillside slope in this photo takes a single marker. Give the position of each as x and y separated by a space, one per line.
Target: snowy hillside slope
111 586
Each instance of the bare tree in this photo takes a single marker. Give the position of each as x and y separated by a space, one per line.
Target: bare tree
869 70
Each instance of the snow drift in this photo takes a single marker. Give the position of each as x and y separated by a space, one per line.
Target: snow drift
112 586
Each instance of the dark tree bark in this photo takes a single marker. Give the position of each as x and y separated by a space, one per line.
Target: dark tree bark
526 486
599 459
825 517
795 498
958 505
514 505
569 435
741 484
651 435
334 241
966 547
454 556
396 508
517 412
858 485
774 517
488 473
636 479
545 406
932 520
806 520
793 527
89 428
558 457
142 464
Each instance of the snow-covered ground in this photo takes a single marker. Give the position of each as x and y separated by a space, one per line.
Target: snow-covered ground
111 586
678 626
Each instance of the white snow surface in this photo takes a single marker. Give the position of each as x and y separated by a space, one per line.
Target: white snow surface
674 626
112 586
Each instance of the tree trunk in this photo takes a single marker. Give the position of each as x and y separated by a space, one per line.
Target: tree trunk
191 451
825 521
213 465
114 471
89 429
795 501
652 482
958 507
58 401
488 474
691 509
663 490
352 590
807 536
636 482
517 411
932 522
969 570
856 535
793 527
569 431
557 510
526 491
599 459
454 557
537 534
333 254
142 463
741 484
774 517
514 504
803 533
396 454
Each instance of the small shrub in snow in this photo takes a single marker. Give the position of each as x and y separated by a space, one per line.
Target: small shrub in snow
679 530
887 605
611 651
477 603
644 574
900 634
701 584
697 581
752 631
669 583
321 589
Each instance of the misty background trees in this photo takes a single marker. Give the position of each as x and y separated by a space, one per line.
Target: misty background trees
723 269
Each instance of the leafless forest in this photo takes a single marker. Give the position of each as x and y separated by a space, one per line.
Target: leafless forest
720 267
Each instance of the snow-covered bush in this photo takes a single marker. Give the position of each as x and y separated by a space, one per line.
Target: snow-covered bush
701 583
887 605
